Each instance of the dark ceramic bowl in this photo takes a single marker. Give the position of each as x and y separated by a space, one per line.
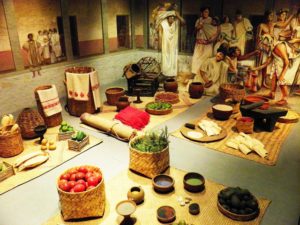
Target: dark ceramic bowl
194 209
222 111
40 131
166 214
163 183
194 182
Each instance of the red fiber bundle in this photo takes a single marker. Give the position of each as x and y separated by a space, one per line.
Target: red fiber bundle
133 117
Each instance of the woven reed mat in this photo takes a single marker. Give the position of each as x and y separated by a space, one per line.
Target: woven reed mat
109 111
271 140
116 191
56 157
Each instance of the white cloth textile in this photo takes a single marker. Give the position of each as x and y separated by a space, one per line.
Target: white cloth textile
50 101
78 86
169 49
95 85
241 30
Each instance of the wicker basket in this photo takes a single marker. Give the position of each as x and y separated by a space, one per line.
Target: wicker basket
28 119
113 94
90 203
51 121
78 145
7 173
148 164
235 92
75 107
245 126
11 144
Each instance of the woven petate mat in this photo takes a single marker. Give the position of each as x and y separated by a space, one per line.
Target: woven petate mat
56 157
109 112
116 191
271 140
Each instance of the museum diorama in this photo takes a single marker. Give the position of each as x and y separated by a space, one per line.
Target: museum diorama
149 112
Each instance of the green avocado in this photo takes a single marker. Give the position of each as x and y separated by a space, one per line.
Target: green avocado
235 201
74 137
252 204
64 123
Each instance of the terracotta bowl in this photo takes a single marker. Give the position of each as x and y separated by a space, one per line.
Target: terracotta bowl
255 98
166 214
222 111
163 183
194 182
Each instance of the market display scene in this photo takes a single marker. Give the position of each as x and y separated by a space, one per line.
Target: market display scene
149 112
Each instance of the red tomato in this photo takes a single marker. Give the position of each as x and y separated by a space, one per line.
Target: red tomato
80 176
92 181
81 182
71 171
83 169
88 174
98 176
72 183
64 186
65 176
62 181
90 187
73 177
79 188
72 190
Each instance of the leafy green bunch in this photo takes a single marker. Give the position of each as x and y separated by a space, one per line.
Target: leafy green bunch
152 141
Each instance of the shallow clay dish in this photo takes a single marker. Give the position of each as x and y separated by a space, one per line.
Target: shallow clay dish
163 183
186 131
166 214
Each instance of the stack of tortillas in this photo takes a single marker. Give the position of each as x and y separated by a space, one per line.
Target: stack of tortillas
290 117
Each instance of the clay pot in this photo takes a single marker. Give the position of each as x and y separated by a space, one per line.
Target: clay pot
122 103
136 194
196 90
171 85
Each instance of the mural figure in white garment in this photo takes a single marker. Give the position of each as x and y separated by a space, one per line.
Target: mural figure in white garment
168 41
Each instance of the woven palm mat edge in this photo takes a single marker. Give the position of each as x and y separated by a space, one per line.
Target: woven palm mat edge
271 140
117 187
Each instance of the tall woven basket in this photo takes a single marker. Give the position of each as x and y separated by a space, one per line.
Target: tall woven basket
75 107
51 121
235 92
148 164
90 203
28 119
11 144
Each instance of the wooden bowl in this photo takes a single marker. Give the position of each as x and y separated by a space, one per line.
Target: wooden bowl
194 182
163 183
235 216
158 111
166 214
255 98
222 111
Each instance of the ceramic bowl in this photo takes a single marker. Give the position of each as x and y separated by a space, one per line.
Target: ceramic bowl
126 207
194 182
136 194
222 111
255 98
194 209
166 214
163 183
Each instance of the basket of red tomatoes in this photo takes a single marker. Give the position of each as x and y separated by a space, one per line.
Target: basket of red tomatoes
81 192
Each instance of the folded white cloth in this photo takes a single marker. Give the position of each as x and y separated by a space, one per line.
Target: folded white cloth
95 85
78 86
50 101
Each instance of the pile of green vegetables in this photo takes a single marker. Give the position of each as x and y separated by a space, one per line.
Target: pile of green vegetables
159 105
238 201
152 141
65 127
79 136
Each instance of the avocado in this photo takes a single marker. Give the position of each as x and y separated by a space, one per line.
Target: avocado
252 204
228 193
234 210
249 210
222 201
242 212
74 137
64 123
226 207
235 201
70 128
